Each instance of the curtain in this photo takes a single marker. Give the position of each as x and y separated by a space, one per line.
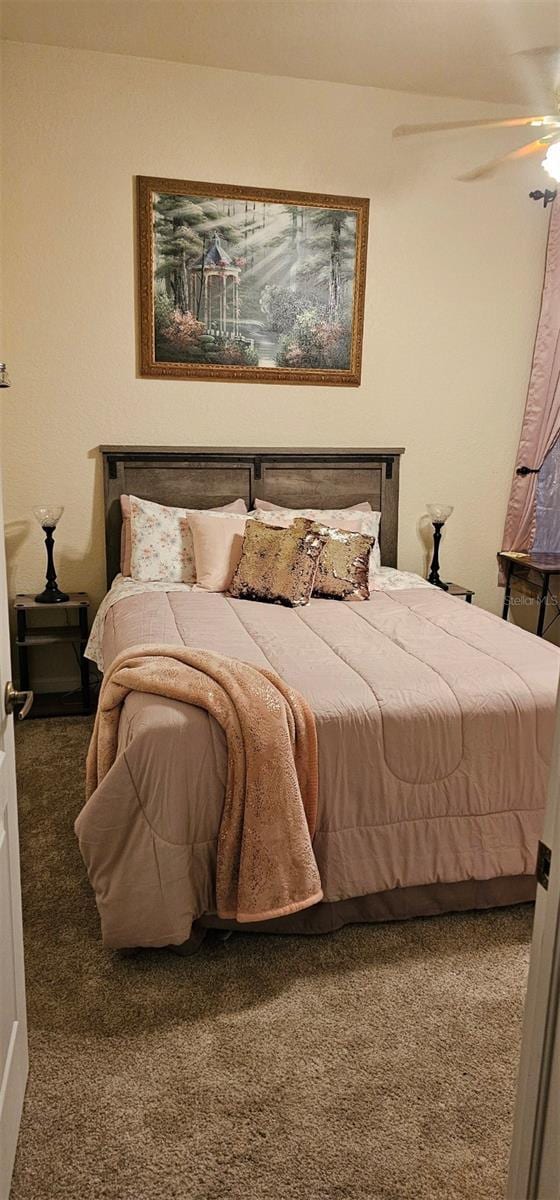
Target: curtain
547 531
541 423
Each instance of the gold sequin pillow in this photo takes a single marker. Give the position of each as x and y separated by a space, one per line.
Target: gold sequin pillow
343 566
278 565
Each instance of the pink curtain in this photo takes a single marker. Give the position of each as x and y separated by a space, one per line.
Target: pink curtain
541 423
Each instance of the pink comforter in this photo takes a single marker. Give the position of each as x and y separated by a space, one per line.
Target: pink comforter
265 866
434 724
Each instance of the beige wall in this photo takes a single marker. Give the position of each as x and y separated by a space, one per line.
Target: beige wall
453 290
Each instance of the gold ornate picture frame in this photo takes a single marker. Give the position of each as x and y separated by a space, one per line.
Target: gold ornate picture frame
250 284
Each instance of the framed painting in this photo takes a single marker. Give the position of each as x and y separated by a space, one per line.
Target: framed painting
250 284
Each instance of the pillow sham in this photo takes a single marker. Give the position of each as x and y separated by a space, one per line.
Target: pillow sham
160 542
268 506
354 520
277 564
217 542
343 564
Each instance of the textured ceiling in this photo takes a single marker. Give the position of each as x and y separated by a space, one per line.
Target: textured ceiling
463 48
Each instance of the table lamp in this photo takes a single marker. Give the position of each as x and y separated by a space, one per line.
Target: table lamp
439 513
48 516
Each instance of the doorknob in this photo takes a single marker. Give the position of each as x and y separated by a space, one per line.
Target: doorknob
14 699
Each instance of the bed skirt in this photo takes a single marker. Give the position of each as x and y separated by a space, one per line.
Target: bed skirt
400 904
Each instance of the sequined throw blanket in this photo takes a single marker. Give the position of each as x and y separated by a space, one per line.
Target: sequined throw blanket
265 862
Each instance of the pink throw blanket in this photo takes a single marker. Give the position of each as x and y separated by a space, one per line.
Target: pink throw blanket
265 864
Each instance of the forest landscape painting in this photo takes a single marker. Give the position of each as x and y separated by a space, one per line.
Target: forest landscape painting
250 284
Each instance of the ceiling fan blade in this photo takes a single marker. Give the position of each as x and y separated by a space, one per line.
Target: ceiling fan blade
490 123
544 64
523 152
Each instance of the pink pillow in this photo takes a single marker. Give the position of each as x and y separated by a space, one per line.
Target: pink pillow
218 542
126 533
268 506
353 520
353 523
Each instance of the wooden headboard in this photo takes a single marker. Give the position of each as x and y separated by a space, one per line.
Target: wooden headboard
205 477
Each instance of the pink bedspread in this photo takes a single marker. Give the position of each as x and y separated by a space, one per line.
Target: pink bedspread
434 723
265 867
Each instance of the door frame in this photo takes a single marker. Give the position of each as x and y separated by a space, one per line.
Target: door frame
15 1068
541 1026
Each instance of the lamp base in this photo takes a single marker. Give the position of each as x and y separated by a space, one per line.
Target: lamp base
51 596
439 583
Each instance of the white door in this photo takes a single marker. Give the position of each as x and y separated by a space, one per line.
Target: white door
534 1172
13 1025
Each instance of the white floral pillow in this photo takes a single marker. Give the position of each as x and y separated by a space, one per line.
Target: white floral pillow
353 519
161 541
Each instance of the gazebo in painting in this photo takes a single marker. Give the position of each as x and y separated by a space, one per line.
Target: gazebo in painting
214 281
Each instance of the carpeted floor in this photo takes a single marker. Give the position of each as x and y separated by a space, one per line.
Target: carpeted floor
377 1063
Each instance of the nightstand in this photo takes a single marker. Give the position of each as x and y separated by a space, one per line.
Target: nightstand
74 632
456 589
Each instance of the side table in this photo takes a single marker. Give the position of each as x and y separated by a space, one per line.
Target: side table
29 634
456 589
536 570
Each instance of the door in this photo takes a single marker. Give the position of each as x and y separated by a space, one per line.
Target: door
534 1172
13 1024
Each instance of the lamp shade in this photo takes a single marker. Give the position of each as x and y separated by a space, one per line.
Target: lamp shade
440 512
48 515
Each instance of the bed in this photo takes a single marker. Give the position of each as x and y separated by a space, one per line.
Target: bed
434 720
